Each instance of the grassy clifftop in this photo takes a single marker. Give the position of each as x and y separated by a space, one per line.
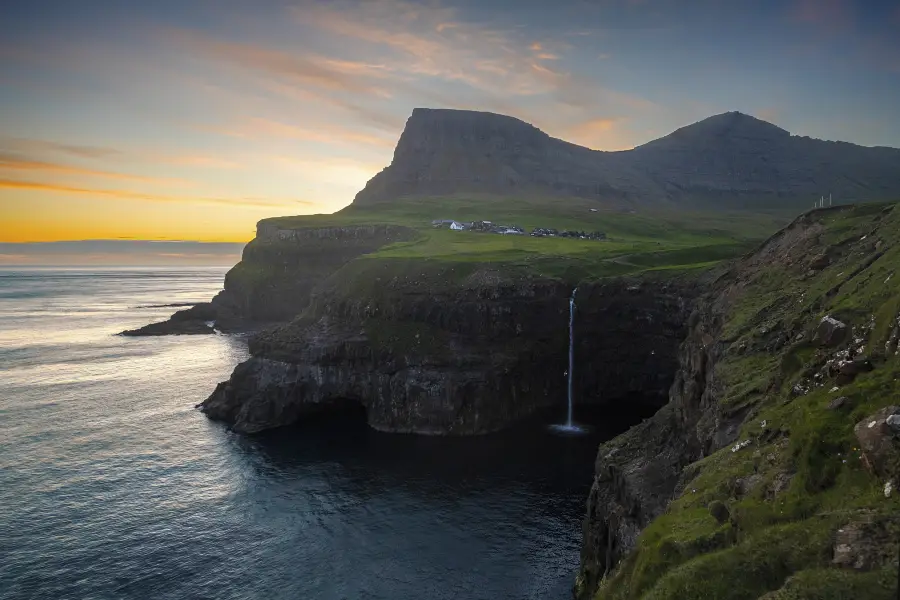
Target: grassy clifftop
793 507
636 242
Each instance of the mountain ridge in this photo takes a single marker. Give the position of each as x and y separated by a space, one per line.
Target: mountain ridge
730 160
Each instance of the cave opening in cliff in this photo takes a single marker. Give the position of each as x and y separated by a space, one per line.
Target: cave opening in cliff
344 413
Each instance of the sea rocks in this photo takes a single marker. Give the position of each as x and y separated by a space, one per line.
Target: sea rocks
172 327
831 332
879 442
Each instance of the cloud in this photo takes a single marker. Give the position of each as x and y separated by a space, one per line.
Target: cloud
304 69
15 162
768 114
36 186
831 14
323 133
204 162
41 146
599 133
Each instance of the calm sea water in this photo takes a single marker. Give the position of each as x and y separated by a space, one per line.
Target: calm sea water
113 486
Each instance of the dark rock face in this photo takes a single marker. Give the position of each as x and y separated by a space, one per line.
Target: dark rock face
469 361
729 160
639 472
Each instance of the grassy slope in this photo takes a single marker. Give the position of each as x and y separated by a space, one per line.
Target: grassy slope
636 242
784 542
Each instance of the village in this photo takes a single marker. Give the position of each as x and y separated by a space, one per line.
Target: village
490 227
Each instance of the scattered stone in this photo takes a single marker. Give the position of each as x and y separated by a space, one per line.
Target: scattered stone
838 403
888 488
740 445
763 423
878 442
780 483
848 370
831 332
719 511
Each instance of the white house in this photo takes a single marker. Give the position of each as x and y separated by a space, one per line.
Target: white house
457 226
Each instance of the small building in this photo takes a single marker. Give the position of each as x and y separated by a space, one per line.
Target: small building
457 226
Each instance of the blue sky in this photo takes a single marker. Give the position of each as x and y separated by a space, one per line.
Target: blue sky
193 120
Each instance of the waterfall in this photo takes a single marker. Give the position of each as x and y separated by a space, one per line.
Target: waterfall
570 427
571 352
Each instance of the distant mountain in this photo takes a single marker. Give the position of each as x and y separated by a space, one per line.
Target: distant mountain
728 160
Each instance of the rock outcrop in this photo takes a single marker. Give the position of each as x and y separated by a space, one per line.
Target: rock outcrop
472 358
277 273
726 161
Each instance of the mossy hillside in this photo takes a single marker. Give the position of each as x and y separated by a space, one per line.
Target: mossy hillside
800 477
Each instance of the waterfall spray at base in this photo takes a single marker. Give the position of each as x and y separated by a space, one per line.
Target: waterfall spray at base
570 426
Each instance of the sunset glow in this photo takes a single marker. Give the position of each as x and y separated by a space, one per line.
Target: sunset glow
159 121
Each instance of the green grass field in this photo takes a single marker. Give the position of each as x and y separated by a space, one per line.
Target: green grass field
637 241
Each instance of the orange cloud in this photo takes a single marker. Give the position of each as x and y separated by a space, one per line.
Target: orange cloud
10 184
41 146
10 162
316 71
209 162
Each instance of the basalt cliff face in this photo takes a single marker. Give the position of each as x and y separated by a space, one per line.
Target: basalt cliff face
771 471
466 359
726 161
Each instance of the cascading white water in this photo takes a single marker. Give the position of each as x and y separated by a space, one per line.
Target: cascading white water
570 427
571 352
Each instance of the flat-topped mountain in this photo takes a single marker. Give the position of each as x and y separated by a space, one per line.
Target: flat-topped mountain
728 160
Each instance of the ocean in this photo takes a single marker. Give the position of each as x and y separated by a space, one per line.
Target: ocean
112 485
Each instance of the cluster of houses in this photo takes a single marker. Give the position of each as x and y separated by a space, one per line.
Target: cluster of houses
489 227
484 226
592 235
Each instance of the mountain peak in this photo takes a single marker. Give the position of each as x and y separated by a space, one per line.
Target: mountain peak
734 124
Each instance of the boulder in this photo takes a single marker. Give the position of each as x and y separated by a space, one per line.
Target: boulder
719 511
848 371
879 442
861 544
838 403
820 262
831 332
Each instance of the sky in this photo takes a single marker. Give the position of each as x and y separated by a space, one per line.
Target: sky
193 119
